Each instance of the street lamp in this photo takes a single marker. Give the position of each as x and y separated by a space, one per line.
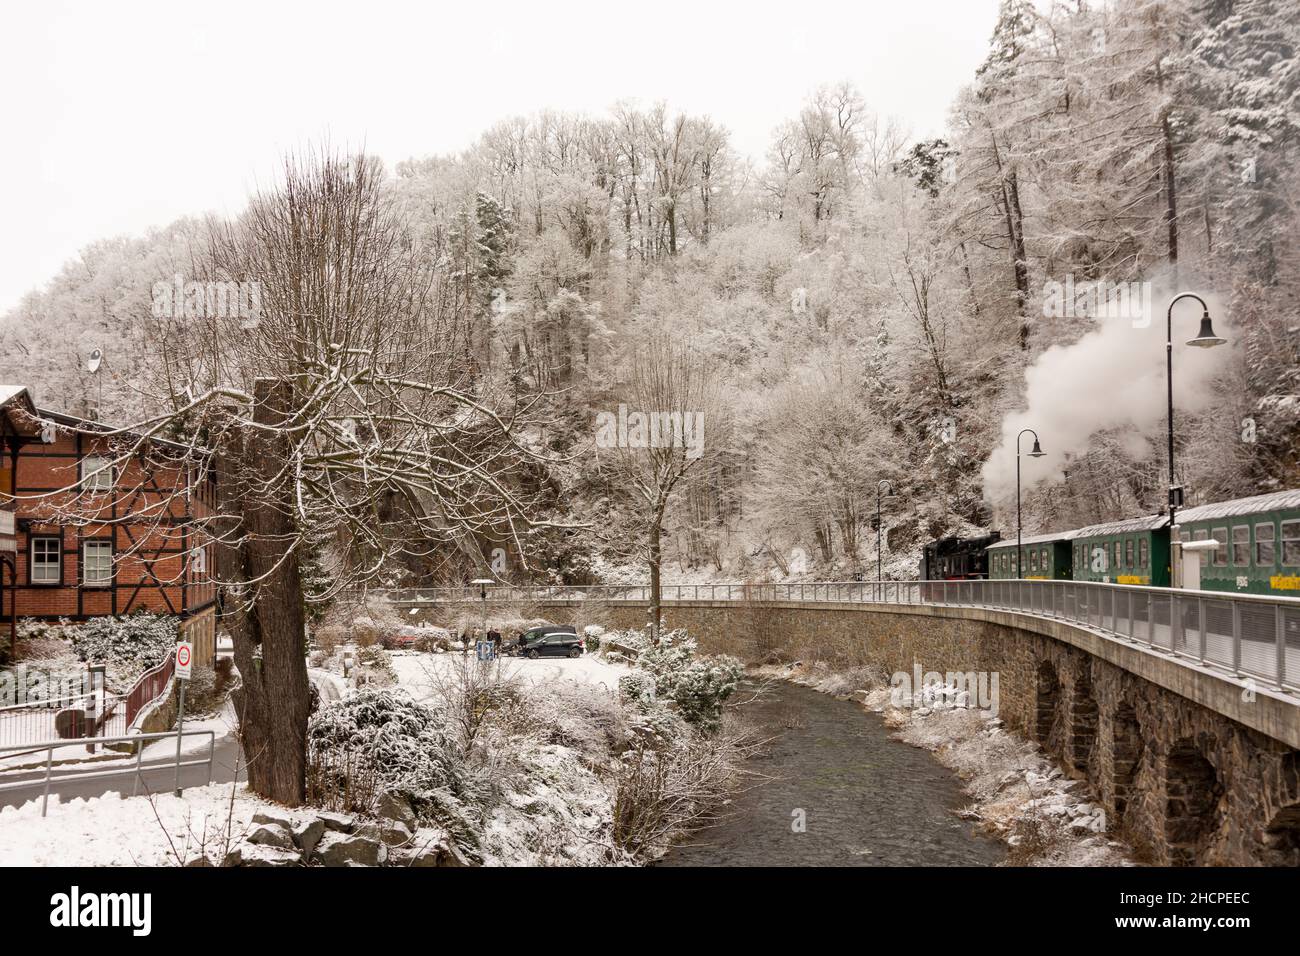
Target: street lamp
1035 452
1205 339
482 593
883 482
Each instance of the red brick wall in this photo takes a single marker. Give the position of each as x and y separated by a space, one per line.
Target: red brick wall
144 518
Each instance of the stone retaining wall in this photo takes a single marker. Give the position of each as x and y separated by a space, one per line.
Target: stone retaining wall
1191 766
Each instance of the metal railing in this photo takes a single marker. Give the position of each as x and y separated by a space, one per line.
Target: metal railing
60 774
1249 635
149 687
60 717
64 717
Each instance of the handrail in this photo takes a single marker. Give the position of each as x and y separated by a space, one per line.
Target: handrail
1253 636
136 769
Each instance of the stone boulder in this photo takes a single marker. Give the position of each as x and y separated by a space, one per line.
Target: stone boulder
272 834
357 849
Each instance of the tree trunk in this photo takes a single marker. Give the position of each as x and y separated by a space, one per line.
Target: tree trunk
656 560
268 622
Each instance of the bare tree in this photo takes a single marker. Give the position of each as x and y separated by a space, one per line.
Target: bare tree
343 412
671 397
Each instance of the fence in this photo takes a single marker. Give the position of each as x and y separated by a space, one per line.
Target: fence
1255 636
64 717
56 776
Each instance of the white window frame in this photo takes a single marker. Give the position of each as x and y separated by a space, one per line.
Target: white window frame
96 474
33 564
101 580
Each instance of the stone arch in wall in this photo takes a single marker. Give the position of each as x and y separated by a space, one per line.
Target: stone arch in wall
1282 837
1048 696
1083 721
1126 754
1192 794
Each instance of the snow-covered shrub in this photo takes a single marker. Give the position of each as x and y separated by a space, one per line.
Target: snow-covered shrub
377 740
128 644
698 685
374 666
592 634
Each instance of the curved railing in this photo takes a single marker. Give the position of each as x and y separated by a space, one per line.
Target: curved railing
1251 636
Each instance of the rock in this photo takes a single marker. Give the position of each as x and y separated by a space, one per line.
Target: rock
198 862
308 835
234 857
394 833
272 834
393 806
338 822
273 818
338 849
455 857
269 856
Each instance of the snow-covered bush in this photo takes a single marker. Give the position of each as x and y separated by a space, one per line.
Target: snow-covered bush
699 686
592 634
378 740
374 666
130 644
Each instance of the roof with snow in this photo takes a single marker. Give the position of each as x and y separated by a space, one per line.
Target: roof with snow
1123 526
1032 539
1275 501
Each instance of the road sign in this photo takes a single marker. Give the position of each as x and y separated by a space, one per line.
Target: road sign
184 660
485 650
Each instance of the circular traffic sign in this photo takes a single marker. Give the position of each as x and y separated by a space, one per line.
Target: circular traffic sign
183 656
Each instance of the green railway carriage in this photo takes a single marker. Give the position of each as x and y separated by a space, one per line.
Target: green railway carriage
1259 543
1132 551
1046 556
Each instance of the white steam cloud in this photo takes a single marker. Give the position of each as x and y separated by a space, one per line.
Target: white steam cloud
1113 377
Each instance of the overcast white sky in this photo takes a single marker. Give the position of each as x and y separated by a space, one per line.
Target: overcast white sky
119 116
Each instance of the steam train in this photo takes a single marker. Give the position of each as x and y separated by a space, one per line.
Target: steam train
1258 549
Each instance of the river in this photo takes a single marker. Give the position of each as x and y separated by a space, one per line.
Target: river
863 798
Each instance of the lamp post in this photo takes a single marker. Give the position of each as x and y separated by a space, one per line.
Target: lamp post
482 593
1035 452
1205 339
882 483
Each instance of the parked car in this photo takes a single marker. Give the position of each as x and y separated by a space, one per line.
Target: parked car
555 640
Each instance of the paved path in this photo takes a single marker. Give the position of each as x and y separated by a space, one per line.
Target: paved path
158 774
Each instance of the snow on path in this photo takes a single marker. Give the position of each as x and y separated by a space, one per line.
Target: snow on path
108 831
421 674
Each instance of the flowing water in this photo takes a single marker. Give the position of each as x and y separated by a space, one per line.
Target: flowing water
866 800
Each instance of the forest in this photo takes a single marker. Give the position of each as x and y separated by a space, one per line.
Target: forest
856 306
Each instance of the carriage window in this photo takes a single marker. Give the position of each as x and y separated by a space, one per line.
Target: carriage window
1043 561
1241 545
1033 560
1221 552
1265 553
1291 542
1143 553
1128 553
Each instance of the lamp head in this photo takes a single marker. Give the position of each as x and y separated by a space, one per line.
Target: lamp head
1036 451
1205 338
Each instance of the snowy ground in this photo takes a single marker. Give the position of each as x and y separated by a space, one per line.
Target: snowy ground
423 674
143 831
